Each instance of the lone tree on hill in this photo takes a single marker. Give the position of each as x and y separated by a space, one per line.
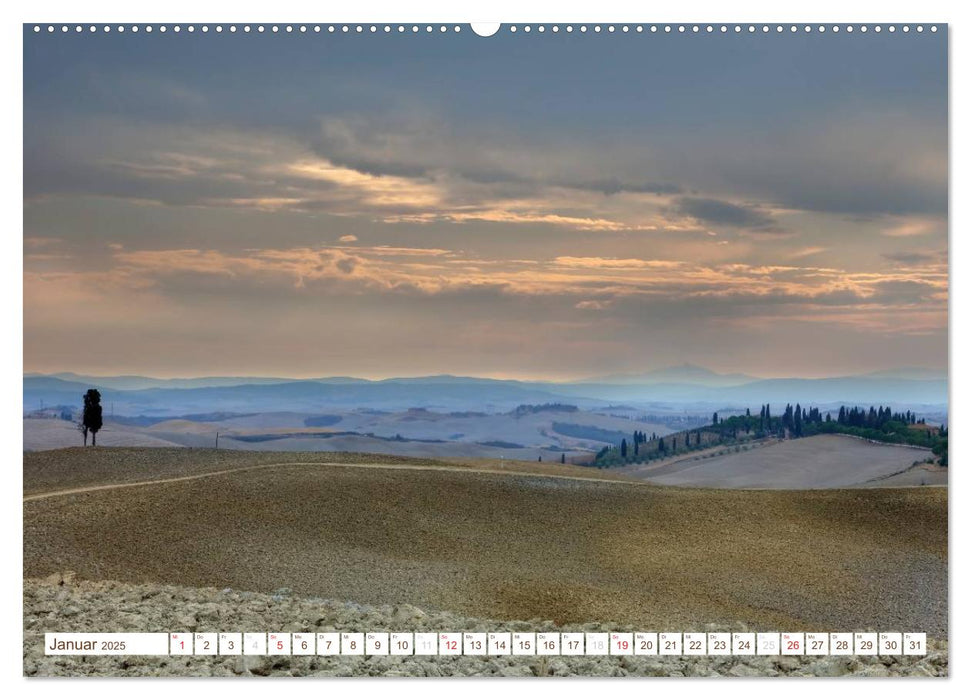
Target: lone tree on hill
91 419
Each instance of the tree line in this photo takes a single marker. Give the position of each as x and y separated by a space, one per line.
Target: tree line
880 424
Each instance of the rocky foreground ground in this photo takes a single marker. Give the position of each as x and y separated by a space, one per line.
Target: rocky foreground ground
60 603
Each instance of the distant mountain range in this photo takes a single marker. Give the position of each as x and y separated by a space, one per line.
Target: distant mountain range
136 382
910 373
264 395
682 374
686 387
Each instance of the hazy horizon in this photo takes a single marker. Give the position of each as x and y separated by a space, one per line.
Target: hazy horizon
520 378
544 207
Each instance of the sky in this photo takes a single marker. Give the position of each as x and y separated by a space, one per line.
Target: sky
545 206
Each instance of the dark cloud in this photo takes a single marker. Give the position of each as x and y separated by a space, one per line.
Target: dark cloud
376 167
490 176
613 185
912 258
405 150
49 176
903 292
717 212
347 265
856 163
840 186
400 147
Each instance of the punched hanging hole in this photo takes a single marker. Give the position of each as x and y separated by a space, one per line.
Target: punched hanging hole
485 28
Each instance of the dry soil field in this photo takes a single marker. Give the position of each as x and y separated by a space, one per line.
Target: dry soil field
494 545
41 434
818 462
525 435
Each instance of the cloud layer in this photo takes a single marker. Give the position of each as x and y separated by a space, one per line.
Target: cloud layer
552 211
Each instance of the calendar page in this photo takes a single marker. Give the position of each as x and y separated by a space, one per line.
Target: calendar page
516 349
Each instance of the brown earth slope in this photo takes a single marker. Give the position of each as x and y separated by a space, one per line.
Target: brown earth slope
504 546
818 462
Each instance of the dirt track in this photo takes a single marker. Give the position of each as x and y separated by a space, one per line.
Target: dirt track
278 465
57 470
502 545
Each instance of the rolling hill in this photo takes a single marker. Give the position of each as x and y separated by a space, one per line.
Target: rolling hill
508 546
818 462
549 432
676 389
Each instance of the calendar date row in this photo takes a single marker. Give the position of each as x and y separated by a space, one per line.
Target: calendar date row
488 644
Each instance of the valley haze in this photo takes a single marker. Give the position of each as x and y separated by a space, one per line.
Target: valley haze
444 416
678 388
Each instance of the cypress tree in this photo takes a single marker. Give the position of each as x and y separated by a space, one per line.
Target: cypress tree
91 416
